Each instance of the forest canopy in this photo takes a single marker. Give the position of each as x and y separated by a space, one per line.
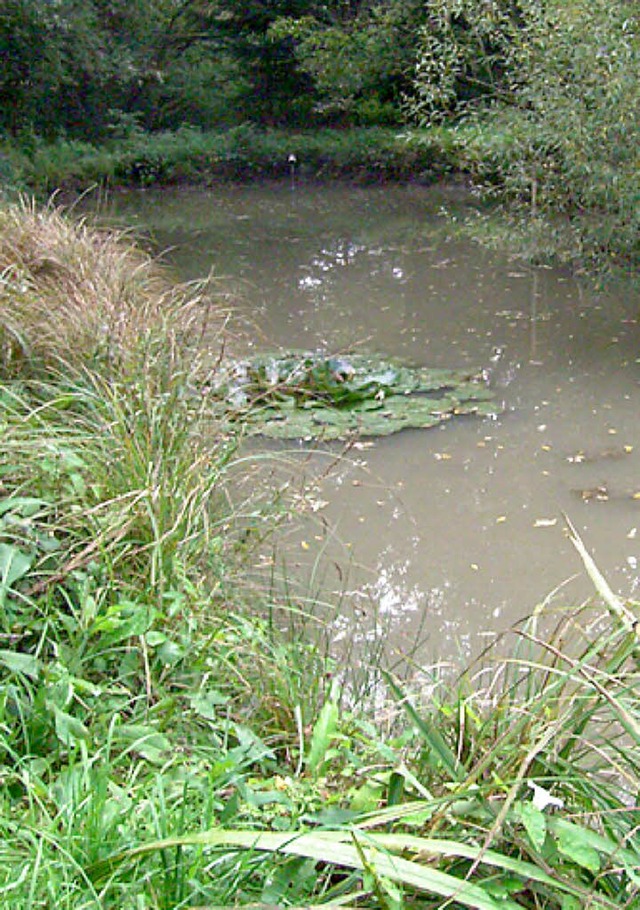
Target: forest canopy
86 68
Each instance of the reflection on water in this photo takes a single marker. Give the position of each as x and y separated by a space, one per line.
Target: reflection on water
454 532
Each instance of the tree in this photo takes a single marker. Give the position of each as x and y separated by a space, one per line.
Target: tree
358 56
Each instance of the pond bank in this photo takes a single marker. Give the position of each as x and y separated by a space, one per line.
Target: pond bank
492 155
190 156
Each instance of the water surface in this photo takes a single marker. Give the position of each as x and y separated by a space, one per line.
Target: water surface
454 532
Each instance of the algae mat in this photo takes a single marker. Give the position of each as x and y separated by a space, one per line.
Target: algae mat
303 395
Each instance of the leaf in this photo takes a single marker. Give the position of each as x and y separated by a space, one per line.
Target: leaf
26 506
17 662
598 842
534 822
430 734
389 896
577 848
14 564
335 847
367 797
206 704
307 395
145 740
69 729
327 849
613 602
324 731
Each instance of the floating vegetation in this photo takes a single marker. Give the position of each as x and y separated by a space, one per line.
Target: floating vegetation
303 395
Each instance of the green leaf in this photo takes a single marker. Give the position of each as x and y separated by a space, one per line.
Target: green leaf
25 506
206 704
430 734
145 740
599 842
534 821
396 789
336 847
367 797
26 664
324 731
302 394
14 564
327 849
577 848
69 729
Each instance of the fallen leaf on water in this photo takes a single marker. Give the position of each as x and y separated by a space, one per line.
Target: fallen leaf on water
599 493
545 522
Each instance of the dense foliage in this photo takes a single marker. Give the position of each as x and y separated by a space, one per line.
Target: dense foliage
552 90
83 69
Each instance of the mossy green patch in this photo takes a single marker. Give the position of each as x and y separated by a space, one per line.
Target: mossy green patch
303 395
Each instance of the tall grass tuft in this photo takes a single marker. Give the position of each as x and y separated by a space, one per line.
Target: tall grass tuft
134 678
72 297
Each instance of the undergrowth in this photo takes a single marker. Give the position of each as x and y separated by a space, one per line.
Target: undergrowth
163 744
189 155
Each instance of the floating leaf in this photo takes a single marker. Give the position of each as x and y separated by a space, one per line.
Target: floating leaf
301 395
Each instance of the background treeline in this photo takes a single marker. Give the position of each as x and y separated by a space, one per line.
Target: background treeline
537 97
83 69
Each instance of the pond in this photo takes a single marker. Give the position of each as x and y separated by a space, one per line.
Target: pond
435 538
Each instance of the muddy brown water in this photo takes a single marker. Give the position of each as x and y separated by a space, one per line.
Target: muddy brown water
443 536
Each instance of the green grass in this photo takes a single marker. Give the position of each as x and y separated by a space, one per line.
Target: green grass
164 743
240 153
